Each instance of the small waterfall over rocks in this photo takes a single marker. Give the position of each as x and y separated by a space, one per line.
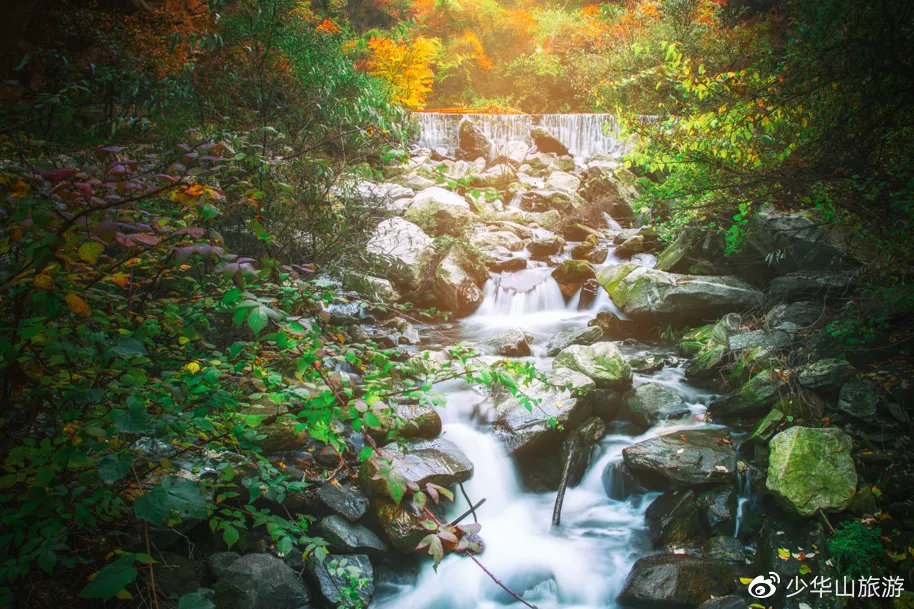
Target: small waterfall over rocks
585 135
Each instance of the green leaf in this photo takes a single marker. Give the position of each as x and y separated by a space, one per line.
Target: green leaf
128 347
366 453
112 468
90 251
132 420
258 318
396 486
195 600
230 536
175 496
111 580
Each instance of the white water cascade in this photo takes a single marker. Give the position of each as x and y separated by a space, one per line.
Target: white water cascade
584 134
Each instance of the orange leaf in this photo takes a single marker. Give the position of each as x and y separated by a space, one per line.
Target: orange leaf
43 281
77 304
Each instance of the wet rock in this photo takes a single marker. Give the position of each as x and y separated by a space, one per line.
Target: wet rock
588 295
674 581
573 271
811 469
512 151
546 246
219 562
354 568
756 395
650 403
402 524
859 399
371 287
590 252
562 181
613 192
346 537
260 581
526 432
800 314
688 252
491 240
646 364
724 602
175 574
769 339
513 343
767 426
581 443
439 212
472 143
507 265
631 246
673 517
346 500
438 461
612 326
825 374
602 362
546 142
620 483
411 421
726 549
576 336
455 288
655 296
718 510
683 459
803 286
404 250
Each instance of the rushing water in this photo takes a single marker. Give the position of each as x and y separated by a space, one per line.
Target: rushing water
584 134
583 563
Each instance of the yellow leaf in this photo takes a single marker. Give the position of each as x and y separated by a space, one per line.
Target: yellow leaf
192 367
745 580
90 251
43 281
77 305
784 553
124 595
804 569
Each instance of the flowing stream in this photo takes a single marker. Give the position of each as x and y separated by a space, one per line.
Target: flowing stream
584 562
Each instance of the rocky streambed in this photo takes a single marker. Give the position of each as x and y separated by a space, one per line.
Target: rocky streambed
716 430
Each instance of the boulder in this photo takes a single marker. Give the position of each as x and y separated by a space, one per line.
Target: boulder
439 212
507 265
346 500
646 364
859 399
768 339
371 287
590 252
218 563
728 549
346 537
527 432
513 151
674 581
756 395
354 569
800 314
613 192
656 296
602 362
648 404
688 252
828 373
806 285
811 469
620 483
438 461
673 518
454 287
472 143
683 459
577 336
402 524
717 507
539 200
546 142
573 271
491 240
411 421
260 581
405 252
513 343
563 182
546 246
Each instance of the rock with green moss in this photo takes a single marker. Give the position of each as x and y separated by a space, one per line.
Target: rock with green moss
650 403
767 426
587 335
755 396
707 362
811 469
602 362
655 296
829 373
439 212
573 271
695 339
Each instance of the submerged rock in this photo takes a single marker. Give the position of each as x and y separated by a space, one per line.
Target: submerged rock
683 459
656 296
674 581
811 469
602 362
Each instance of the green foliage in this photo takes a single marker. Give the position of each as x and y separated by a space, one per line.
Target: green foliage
858 549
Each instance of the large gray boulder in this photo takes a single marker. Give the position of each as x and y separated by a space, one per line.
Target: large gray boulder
673 518
674 581
346 500
563 181
829 373
859 399
546 142
472 143
811 469
755 396
526 431
650 403
512 343
404 252
438 461
587 335
260 581
683 459
655 296
456 288
439 212
602 362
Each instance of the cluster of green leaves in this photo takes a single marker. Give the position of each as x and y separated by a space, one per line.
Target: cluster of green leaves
858 549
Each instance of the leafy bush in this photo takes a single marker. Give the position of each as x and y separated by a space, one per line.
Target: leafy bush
857 549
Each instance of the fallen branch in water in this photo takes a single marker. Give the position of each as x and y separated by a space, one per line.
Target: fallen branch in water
472 511
563 484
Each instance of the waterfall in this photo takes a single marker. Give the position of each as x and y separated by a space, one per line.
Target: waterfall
585 135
